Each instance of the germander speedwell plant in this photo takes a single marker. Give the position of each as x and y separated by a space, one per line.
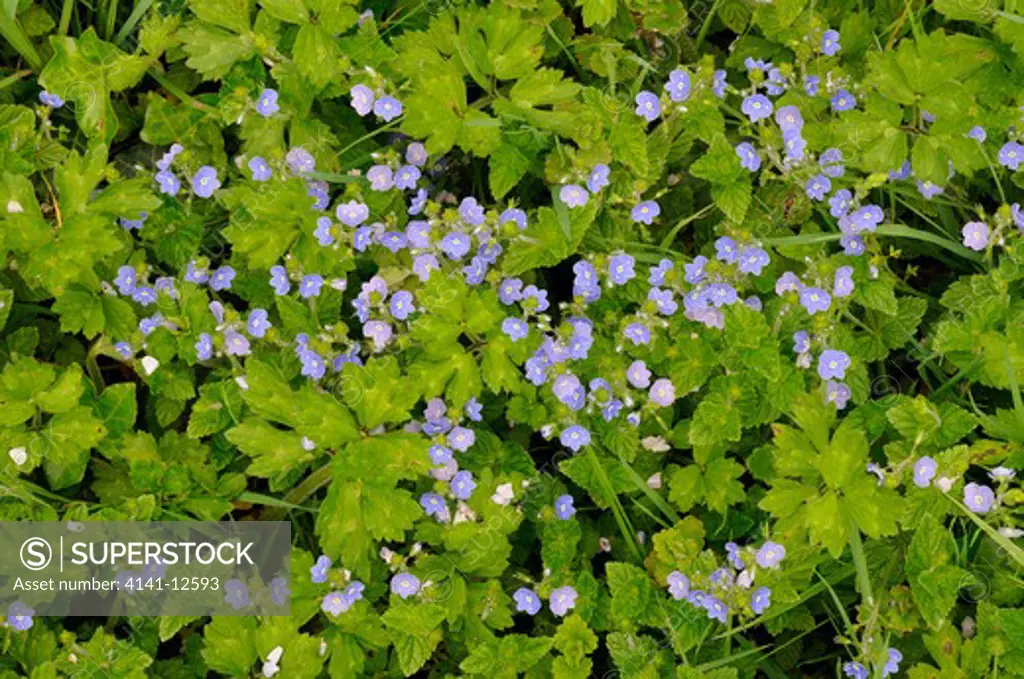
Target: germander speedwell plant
631 337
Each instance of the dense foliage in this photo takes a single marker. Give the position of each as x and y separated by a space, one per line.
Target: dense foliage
573 338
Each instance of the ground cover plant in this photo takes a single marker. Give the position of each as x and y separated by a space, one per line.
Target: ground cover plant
601 338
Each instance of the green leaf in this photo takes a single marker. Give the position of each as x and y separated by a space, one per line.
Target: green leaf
574 639
507 165
597 12
229 645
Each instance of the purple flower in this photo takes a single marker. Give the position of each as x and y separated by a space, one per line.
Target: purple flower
510 291
124 350
362 99
638 375
638 333
843 101
853 245
726 250
837 393
19 616
461 439
902 172
892 666
217 309
620 269
645 212
770 555
757 107
387 108
575 437
235 343
733 551
839 203
855 670
659 272
352 213
811 85
719 84
831 162
978 498
789 119
832 364
258 323
975 235
336 603
279 280
126 280
795 145
568 390
598 178
51 100
204 347
515 328
753 260
564 507
133 224
473 409
169 184
513 214
866 218
694 271
788 282
678 585
527 601
236 594
760 600
722 294
379 332
924 471
221 278
830 43
678 85
416 154
663 392
205 182
818 187
405 585
749 158
401 304
406 177
471 212
562 600
843 286
300 161
313 365
1011 155
259 169
455 245
462 485
1018 215
928 189
977 133
318 572
815 300
266 105
647 106
381 177
717 610
310 285
573 195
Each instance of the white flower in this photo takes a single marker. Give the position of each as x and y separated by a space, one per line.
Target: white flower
655 444
1012 533
503 495
242 383
270 667
654 481
17 455
323 647
745 579
464 514
1001 473
308 444
149 364
945 484
606 544
386 554
14 206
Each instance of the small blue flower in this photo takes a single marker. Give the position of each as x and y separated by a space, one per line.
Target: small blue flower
812 84
564 508
461 439
387 108
204 347
310 286
648 106
678 85
760 600
892 665
818 187
831 162
381 178
279 280
770 555
462 485
749 158
830 43
843 285
434 505
352 213
300 161
678 585
258 323
473 409
815 300
169 184
789 119
527 601
259 169
515 328
843 101
513 214
575 437
471 212
19 616
598 178
924 471
362 99
638 333
620 269
401 305
236 594
205 182
719 83
562 600
406 177
266 105
51 100
573 195
318 572
455 245
855 670
752 260
757 107
717 610
221 278
832 364
235 343
405 585
645 212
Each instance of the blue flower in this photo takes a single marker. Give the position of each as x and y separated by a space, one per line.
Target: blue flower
221 278
401 304
598 178
471 212
855 670
659 273
749 158
236 594
194 275
832 364
473 409
573 195
562 600
134 224
574 437
757 107
259 169
124 350
648 106
752 260
975 235
733 552
843 101
434 505
812 84
722 294
335 603
815 300
258 323
515 328
678 85
818 187
770 555
978 498
313 365
902 172
892 665
837 393
928 189
19 616
125 280
279 280
51 100
678 585
726 250
379 332
760 600
381 177
300 161
638 375
831 162
387 108
843 286
406 177
266 105
205 182
924 471
169 184
416 154
310 286
235 343
535 299
866 218
664 300
461 439
620 269
527 601
977 133
362 99
564 507
405 585
788 282
318 572
1011 155
839 203
794 144
455 245
830 43
352 213
462 485
719 83
204 347
789 119
638 333
513 214
645 212
717 610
